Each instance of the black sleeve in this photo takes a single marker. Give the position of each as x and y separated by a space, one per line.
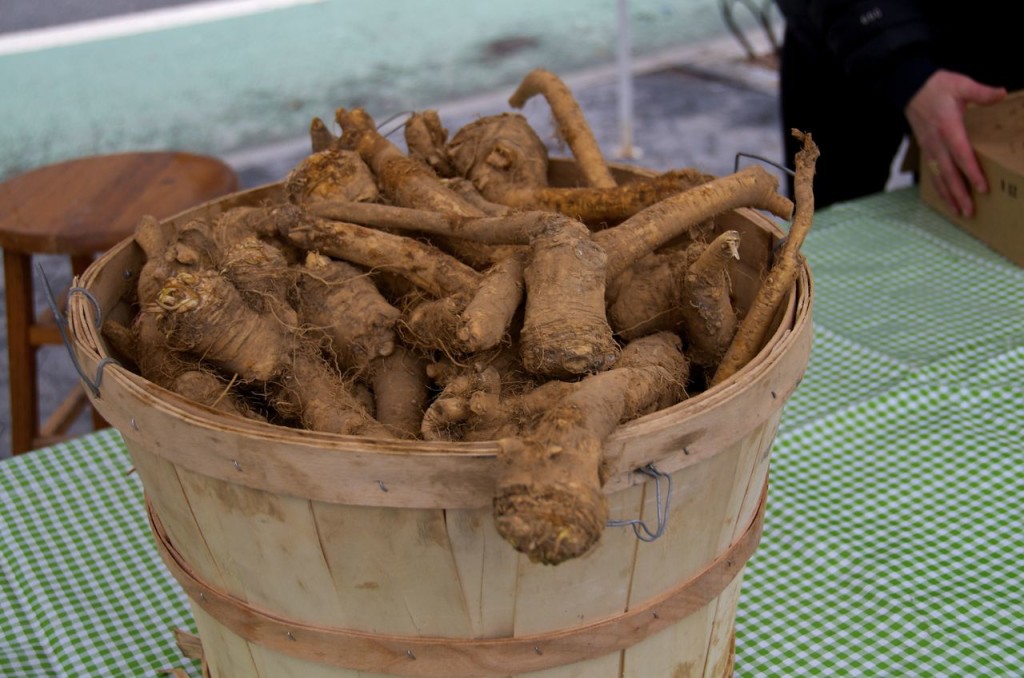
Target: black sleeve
884 42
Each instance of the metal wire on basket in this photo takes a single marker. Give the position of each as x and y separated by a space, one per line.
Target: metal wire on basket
93 383
640 528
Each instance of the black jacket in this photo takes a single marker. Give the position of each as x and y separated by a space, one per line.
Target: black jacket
895 45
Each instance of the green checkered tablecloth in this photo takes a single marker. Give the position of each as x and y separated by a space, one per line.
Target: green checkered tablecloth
894 534
84 592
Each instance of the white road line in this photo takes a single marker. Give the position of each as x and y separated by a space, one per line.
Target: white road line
134 24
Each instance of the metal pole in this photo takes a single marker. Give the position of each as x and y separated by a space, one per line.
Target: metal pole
625 84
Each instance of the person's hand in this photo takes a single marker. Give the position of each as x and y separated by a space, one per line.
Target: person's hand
936 116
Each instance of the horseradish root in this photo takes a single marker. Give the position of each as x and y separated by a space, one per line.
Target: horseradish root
468 289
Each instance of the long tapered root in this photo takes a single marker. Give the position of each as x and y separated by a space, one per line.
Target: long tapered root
435 271
676 215
572 125
707 311
507 162
751 333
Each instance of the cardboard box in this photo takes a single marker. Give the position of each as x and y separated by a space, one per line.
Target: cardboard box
997 134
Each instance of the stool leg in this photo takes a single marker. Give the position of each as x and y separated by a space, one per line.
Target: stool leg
22 355
78 265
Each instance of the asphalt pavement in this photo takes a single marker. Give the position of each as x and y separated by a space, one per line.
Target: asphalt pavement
696 104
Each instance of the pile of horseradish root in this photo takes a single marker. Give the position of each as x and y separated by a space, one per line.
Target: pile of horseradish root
449 293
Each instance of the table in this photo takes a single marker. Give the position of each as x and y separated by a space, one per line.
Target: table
893 540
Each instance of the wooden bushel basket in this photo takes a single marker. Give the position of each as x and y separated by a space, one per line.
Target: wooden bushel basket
311 555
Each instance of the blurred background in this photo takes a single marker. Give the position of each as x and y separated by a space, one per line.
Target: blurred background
242 79
82 77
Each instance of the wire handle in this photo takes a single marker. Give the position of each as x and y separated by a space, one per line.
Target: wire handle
62 325
736 166
392 118
640 528
767 161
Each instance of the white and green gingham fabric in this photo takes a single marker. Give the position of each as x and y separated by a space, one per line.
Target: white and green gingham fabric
894 533
84 592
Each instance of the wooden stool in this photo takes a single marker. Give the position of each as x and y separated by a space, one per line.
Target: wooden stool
80 208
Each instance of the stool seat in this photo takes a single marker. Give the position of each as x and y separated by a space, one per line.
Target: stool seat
79 208
88 205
